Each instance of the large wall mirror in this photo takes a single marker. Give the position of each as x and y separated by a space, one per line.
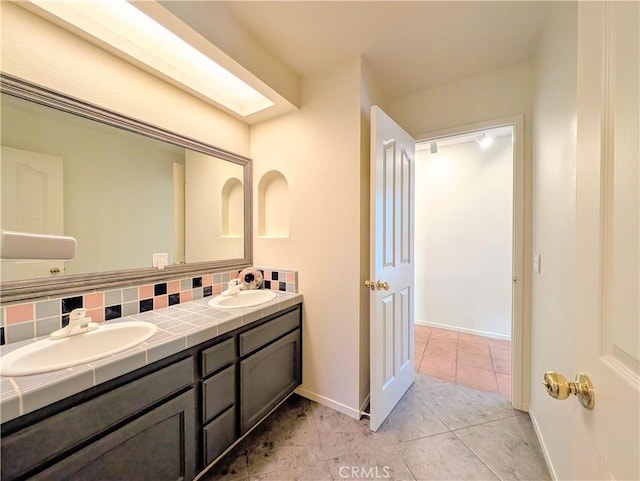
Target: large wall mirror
126 190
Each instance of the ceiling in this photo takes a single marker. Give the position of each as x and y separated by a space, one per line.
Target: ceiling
408 46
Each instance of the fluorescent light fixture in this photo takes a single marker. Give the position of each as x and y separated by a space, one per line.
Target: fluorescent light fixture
484 141
128 30
28 246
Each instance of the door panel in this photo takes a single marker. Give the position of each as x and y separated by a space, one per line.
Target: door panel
32 201
608 199
392 220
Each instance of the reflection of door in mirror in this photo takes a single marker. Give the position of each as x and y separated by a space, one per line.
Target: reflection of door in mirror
214 208
32 201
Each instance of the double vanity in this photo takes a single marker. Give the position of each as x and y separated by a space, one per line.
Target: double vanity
162 410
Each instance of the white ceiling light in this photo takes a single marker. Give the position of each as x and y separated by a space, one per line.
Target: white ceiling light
134 34
484 141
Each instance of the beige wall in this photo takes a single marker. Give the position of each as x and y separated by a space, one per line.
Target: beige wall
554 190
464 212
53 57
318 150
495 94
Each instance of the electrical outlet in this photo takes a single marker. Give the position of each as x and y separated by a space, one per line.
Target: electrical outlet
160 260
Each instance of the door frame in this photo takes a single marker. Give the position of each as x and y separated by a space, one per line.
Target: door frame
521 298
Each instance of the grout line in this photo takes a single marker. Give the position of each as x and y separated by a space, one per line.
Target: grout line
477 456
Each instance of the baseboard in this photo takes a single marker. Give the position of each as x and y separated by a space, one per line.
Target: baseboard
543 446
325 401
477 332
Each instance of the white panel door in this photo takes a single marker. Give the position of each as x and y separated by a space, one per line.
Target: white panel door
32 201
392 264
607 322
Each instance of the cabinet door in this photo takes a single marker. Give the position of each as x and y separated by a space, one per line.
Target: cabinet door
267 377
157 446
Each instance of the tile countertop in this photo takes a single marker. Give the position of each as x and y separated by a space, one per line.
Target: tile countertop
180 327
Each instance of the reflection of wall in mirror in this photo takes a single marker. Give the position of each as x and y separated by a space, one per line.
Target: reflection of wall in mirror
118 196
207 234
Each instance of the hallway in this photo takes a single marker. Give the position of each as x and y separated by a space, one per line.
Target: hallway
468 360
438 431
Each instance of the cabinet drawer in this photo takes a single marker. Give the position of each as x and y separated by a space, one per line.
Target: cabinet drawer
67 429
218 393
218 435
261 335
218 356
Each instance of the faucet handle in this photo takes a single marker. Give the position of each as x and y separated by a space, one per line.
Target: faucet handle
78 314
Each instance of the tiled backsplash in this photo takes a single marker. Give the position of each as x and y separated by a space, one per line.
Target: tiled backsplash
20 321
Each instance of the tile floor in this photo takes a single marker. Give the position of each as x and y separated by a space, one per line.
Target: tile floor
438 431
473 361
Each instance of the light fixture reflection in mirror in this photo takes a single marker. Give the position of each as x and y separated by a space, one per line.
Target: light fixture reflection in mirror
123 195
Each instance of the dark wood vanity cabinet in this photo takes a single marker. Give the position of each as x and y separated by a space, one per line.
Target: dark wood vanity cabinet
166 421
144 429
272 369
246 376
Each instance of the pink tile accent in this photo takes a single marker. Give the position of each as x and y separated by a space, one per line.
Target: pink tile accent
438 368
474 348
160 302
217 289
173 287
500 343
477 379
502 366
474 360
207 280
422 333
473 339
145 292
504 384
442 343
267 275
416 362
497 353
291 277
186 296
233 274
20 313
92 301
439 353
444 334
96 315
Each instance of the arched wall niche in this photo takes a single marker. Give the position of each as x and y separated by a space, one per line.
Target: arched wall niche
232 207
273 205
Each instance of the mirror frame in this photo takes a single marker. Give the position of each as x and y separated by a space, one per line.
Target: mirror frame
61 286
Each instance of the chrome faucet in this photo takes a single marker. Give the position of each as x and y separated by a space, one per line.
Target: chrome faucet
78 324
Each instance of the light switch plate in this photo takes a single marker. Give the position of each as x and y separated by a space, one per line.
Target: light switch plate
160 260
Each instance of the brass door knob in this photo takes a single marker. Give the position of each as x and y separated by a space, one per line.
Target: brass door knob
370 285
559 388
382 285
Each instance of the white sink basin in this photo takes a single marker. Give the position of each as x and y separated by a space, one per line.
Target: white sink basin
243 299
53 354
